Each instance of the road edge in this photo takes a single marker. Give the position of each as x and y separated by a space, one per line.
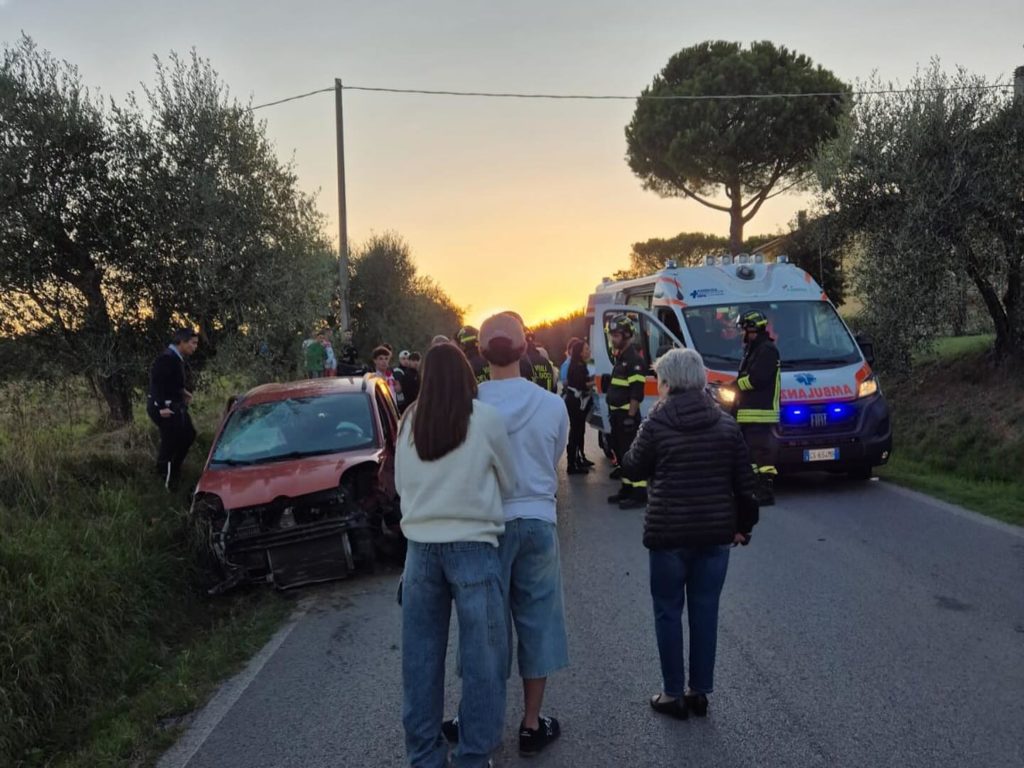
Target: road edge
207 719
955 509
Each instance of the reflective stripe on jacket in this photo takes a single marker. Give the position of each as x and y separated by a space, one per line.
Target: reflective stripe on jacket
629 377
759 383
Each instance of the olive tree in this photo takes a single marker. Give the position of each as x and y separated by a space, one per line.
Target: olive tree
72 228
930 179
749 149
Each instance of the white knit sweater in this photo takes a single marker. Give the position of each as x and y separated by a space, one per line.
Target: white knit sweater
457 497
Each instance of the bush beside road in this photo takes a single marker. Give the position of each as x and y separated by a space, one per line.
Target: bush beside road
107 638
959 429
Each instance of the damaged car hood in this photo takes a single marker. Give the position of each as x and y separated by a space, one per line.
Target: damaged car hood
262 483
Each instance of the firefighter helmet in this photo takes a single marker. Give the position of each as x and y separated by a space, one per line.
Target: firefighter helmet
753 320
621 324
468 335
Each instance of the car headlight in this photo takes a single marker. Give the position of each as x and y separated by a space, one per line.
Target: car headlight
209 507
868 387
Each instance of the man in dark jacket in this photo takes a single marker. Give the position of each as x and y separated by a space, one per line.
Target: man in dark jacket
760 388
624 396
701 500
469 342
167 405
542 370
407 375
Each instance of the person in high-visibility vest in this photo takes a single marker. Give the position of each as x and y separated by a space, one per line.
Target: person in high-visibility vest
469 341
759 385
625 393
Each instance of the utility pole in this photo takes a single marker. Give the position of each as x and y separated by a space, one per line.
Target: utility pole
1018 83
343 313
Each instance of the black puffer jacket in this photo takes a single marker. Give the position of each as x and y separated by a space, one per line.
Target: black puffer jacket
701 482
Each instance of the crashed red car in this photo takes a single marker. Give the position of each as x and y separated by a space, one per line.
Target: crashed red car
299 483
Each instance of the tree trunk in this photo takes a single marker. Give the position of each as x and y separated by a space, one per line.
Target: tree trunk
1012 346
995 307
735 219
117 393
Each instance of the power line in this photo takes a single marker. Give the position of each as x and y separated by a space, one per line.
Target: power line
669 97
291 98
642 97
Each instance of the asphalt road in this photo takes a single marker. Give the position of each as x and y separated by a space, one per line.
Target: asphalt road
865 626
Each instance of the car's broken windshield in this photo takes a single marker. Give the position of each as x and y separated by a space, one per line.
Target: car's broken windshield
297 427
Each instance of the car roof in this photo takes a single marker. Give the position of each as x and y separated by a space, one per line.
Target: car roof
341 385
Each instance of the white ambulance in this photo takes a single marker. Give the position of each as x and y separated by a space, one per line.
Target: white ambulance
833 415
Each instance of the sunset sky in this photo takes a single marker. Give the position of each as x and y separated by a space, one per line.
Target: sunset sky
507 204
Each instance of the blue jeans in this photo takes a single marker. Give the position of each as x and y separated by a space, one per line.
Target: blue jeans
532 573
692 577
470 574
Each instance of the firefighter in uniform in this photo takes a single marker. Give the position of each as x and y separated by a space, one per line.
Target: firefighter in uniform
469 341
542 371
625 394
759 385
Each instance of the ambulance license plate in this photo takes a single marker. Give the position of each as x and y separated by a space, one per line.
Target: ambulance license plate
822 454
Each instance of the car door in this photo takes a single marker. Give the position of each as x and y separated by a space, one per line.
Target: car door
389 431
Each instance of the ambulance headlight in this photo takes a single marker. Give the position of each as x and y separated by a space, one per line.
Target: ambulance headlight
723 394
868 387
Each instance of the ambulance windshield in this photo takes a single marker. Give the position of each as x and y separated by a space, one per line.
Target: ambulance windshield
809 334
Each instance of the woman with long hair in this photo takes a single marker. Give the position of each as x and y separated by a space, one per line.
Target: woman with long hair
453 462
577 393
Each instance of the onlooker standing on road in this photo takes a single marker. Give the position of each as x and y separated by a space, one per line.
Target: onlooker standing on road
314 356
563 369
453 464
349 358
538 426
577 393
382 367
702 499
408 377
167 405
330 361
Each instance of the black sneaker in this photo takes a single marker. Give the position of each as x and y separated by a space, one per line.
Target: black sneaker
450 731
632 503
616 498
616 474
532 743
586 462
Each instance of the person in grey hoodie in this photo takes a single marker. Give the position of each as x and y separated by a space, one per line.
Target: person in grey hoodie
538 429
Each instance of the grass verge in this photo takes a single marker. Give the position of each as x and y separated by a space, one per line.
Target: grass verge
107 638
959 430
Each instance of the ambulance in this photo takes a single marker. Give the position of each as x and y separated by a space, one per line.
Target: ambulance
833 415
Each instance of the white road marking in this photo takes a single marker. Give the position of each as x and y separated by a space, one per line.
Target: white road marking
217 708
999 525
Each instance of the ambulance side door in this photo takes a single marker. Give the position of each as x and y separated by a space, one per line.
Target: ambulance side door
653 340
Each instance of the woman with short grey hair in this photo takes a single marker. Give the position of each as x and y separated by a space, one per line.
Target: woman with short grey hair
701 501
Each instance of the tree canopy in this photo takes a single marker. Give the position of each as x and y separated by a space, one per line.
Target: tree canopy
392 303
930 180
118 223
748 149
